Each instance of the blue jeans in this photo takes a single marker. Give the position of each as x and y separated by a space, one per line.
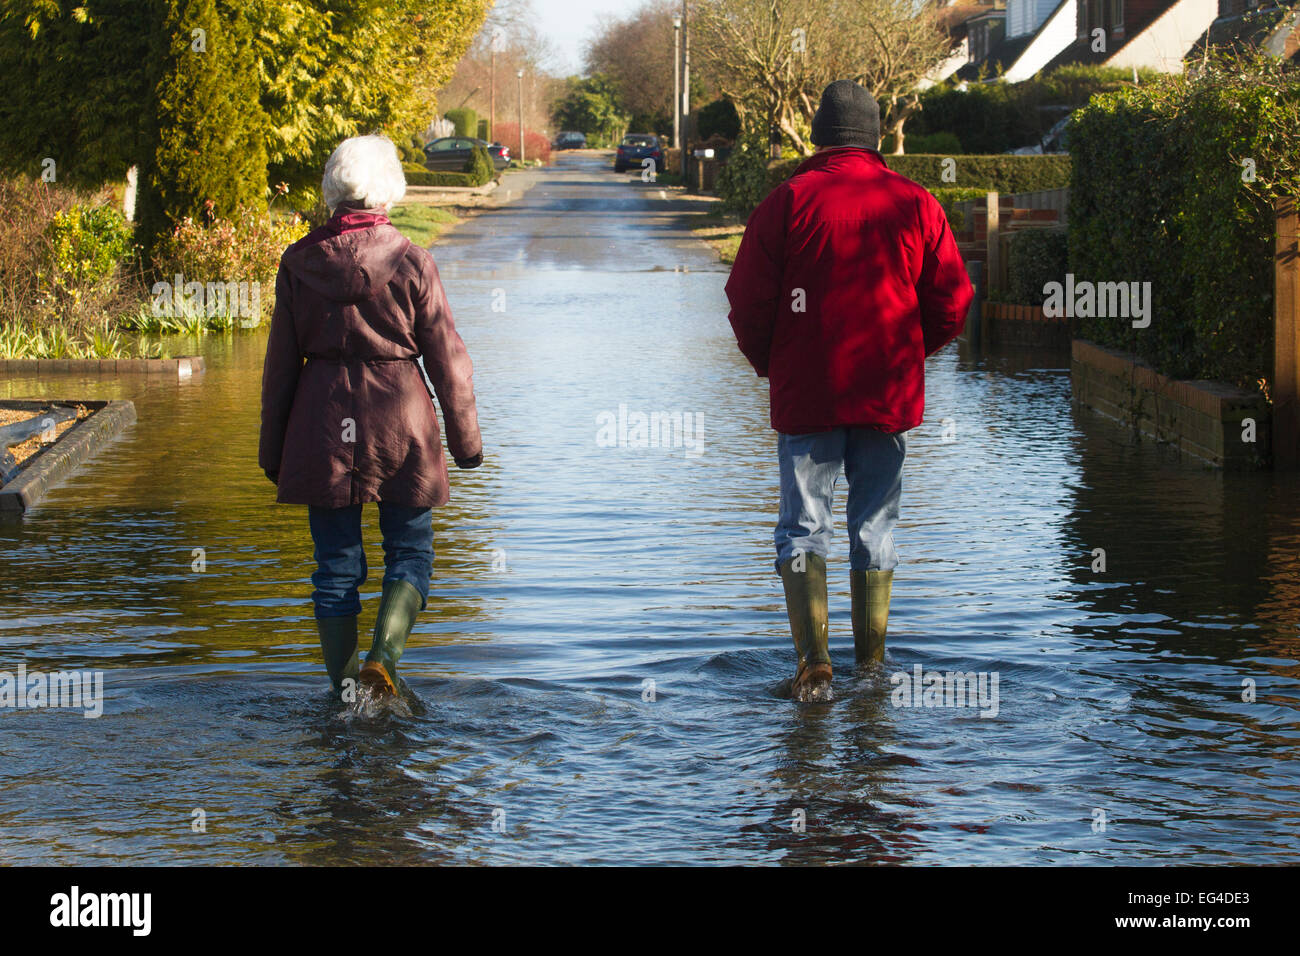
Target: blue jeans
810 464
341 557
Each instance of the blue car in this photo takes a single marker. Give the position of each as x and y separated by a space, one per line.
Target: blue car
635 149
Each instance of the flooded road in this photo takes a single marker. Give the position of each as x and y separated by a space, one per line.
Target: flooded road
597 676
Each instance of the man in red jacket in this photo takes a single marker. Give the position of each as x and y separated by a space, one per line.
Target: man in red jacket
847 278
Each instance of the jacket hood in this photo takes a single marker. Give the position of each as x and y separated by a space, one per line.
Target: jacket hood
838 155
348 266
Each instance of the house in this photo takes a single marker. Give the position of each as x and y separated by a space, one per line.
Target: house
1147 34
1267 25
1016 42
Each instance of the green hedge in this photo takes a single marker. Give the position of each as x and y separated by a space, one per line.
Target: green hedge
997 117
1003 173
1160 195
419 176
1035 258
465 120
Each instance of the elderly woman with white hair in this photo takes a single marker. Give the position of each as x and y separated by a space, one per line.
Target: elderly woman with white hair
346 415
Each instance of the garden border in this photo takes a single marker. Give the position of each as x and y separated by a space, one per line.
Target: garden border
61 458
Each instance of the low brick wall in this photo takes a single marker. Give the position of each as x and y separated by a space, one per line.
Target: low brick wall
1201 419
1005 324
179 368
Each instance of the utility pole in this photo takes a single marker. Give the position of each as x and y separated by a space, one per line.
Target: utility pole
492 97
677 86
686 82
520 74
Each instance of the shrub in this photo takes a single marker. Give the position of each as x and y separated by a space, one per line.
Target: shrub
479 167
65 256
943 144
246 248
744 180
419 176
465 120
950 196
718 118
87 245
410 149
536 145
1035 257
1160 194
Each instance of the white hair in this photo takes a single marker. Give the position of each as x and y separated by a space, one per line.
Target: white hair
365 168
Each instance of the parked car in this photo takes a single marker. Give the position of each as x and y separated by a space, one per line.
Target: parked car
451 153
635 149
570 140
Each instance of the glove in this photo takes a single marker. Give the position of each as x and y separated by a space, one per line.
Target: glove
273 475
467 463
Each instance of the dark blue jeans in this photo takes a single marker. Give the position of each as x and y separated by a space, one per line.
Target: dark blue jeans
341 558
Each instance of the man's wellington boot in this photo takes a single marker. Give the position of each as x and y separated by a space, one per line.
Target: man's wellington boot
871 591
805 603
398 607
338 644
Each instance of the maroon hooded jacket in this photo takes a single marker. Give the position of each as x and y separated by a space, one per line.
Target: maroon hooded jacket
846 279
346 416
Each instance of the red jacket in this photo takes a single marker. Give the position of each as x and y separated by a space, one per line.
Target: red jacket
846 279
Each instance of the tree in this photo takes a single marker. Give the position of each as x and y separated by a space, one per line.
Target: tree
899 45
636 56
207 156
333 70
85 75
76 74
590 106
520 45
772 58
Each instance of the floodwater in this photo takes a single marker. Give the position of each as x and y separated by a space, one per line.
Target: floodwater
598 675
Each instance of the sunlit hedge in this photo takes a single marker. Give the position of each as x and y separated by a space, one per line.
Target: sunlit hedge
1173 184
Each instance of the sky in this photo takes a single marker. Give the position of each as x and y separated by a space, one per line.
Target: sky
569 23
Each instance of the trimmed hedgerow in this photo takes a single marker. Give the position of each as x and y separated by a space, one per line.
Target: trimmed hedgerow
1001 173
1174 184
417 175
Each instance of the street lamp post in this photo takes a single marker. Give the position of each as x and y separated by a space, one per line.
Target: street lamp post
522 158
677 85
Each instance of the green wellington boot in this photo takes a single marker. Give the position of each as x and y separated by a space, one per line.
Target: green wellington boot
397 610
871 591
338 644
805 603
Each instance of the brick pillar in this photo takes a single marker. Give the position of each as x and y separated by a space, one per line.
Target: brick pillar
1286 339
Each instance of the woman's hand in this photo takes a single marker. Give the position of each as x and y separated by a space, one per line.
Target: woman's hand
467 463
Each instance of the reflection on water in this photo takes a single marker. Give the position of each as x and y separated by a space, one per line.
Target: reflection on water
598 672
